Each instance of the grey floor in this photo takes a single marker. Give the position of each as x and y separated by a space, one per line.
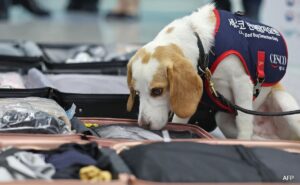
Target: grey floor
76 28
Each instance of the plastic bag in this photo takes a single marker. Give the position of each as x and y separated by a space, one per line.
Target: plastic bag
38 104
23 118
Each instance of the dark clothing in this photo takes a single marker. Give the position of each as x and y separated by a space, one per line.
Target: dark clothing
251 7
4 6
31 5
68 159
79 127
223 4
195 162
90 6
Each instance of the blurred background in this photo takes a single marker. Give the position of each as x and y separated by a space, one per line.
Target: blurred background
135 21
89 22
87 26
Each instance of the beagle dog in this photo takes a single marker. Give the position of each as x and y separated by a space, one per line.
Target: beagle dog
164 73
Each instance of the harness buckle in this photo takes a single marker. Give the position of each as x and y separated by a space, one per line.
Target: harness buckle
200 71
257 87
211 83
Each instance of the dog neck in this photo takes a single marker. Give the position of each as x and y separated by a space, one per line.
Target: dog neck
203 22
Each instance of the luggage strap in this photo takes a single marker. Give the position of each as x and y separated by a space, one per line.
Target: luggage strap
266 174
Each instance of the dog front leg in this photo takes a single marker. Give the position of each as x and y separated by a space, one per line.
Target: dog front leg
226 124
288 126
242 91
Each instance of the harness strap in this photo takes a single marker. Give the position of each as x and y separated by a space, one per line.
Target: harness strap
203 57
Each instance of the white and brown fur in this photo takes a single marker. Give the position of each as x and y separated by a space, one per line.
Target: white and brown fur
169 62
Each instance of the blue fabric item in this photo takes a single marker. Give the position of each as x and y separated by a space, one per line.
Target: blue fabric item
70 158
245 38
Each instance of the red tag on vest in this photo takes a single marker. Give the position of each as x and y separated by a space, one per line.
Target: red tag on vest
261 56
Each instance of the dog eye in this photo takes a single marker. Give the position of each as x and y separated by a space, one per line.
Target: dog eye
156 92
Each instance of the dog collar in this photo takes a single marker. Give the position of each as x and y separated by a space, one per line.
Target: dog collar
203 57
202 65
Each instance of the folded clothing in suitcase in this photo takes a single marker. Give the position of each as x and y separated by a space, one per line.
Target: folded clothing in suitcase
11 80
128 129
169 162
194 162
77 83
68 83
68 161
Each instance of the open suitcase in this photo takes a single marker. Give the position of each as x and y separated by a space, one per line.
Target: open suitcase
48 142
98 59
85 79
91 106
40 143
49 59
124 149
184 154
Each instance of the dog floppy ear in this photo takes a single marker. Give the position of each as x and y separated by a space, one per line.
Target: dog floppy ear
131 97
186 87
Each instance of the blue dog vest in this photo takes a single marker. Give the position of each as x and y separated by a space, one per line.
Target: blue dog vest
261 49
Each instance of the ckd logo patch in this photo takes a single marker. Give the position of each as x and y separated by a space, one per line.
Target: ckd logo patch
248 30
278 62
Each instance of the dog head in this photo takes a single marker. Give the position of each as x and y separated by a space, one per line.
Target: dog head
165 81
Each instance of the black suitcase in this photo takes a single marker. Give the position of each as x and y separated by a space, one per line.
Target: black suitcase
23 55
17 56
88 105
98 59
20 55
